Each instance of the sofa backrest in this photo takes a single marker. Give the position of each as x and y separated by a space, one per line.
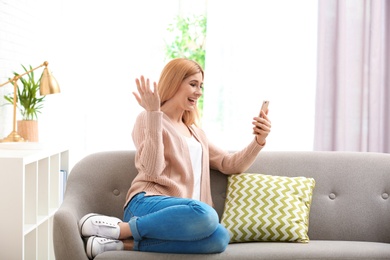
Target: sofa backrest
99 183
351 200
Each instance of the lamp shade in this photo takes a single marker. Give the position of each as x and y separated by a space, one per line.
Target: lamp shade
49 84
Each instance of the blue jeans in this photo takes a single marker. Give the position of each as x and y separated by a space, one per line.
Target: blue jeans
174 225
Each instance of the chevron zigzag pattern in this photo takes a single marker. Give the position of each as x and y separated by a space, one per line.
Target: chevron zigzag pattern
263 207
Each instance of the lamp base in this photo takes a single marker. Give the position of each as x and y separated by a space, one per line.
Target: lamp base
13 137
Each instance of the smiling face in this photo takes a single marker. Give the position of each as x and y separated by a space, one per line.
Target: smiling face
180 87
189 92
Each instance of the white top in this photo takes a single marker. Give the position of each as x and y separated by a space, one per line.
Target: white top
195 150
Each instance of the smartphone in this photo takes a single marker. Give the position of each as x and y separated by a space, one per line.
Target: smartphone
264 107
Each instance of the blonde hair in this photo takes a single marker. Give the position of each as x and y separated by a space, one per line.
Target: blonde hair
172 76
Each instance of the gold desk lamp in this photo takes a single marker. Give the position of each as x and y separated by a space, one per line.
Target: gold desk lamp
48 85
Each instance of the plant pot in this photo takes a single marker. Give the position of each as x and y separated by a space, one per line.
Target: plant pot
28 129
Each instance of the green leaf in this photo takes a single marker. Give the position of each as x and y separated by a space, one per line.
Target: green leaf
188 36
28 102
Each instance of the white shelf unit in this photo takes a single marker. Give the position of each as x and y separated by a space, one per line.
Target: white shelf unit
31 189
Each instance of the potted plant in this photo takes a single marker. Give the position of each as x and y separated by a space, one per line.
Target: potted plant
29 103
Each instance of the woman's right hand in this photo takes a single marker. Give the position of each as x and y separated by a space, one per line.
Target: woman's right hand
146 98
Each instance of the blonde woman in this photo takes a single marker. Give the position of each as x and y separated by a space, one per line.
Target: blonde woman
169 205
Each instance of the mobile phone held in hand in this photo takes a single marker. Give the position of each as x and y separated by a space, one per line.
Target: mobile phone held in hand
264 107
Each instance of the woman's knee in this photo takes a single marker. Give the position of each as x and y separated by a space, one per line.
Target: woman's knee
207 217
219 240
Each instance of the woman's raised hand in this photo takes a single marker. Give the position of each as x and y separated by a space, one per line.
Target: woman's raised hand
146 98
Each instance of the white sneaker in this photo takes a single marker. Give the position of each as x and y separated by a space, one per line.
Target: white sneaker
97 245
99 225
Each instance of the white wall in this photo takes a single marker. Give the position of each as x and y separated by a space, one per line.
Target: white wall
17 46
97 48
106 47
258 50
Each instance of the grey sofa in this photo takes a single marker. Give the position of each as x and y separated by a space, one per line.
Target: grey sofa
349 219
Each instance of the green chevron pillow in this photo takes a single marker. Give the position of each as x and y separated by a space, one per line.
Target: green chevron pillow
262 207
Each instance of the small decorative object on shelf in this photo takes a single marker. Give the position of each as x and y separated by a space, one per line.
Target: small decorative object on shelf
63 179
28 102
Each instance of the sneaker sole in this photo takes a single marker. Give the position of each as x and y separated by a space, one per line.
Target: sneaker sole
85 218
89 247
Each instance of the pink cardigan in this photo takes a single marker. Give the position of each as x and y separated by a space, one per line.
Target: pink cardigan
164 164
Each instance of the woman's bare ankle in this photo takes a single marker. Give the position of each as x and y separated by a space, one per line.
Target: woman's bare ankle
128 244
125 231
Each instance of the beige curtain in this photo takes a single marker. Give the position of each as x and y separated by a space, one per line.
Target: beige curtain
353 91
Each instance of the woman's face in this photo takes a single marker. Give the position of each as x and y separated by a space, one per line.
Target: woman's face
189 92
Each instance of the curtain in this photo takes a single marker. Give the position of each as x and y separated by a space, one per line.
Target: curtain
353 95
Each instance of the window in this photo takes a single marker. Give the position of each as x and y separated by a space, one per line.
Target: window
260 50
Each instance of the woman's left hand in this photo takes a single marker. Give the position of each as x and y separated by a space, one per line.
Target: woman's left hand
262 127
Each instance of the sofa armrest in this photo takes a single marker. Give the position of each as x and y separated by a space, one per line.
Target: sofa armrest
97 184
68 243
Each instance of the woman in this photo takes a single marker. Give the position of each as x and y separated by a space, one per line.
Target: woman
169 205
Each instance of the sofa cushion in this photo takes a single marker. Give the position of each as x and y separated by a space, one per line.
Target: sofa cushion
316 249
262 207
